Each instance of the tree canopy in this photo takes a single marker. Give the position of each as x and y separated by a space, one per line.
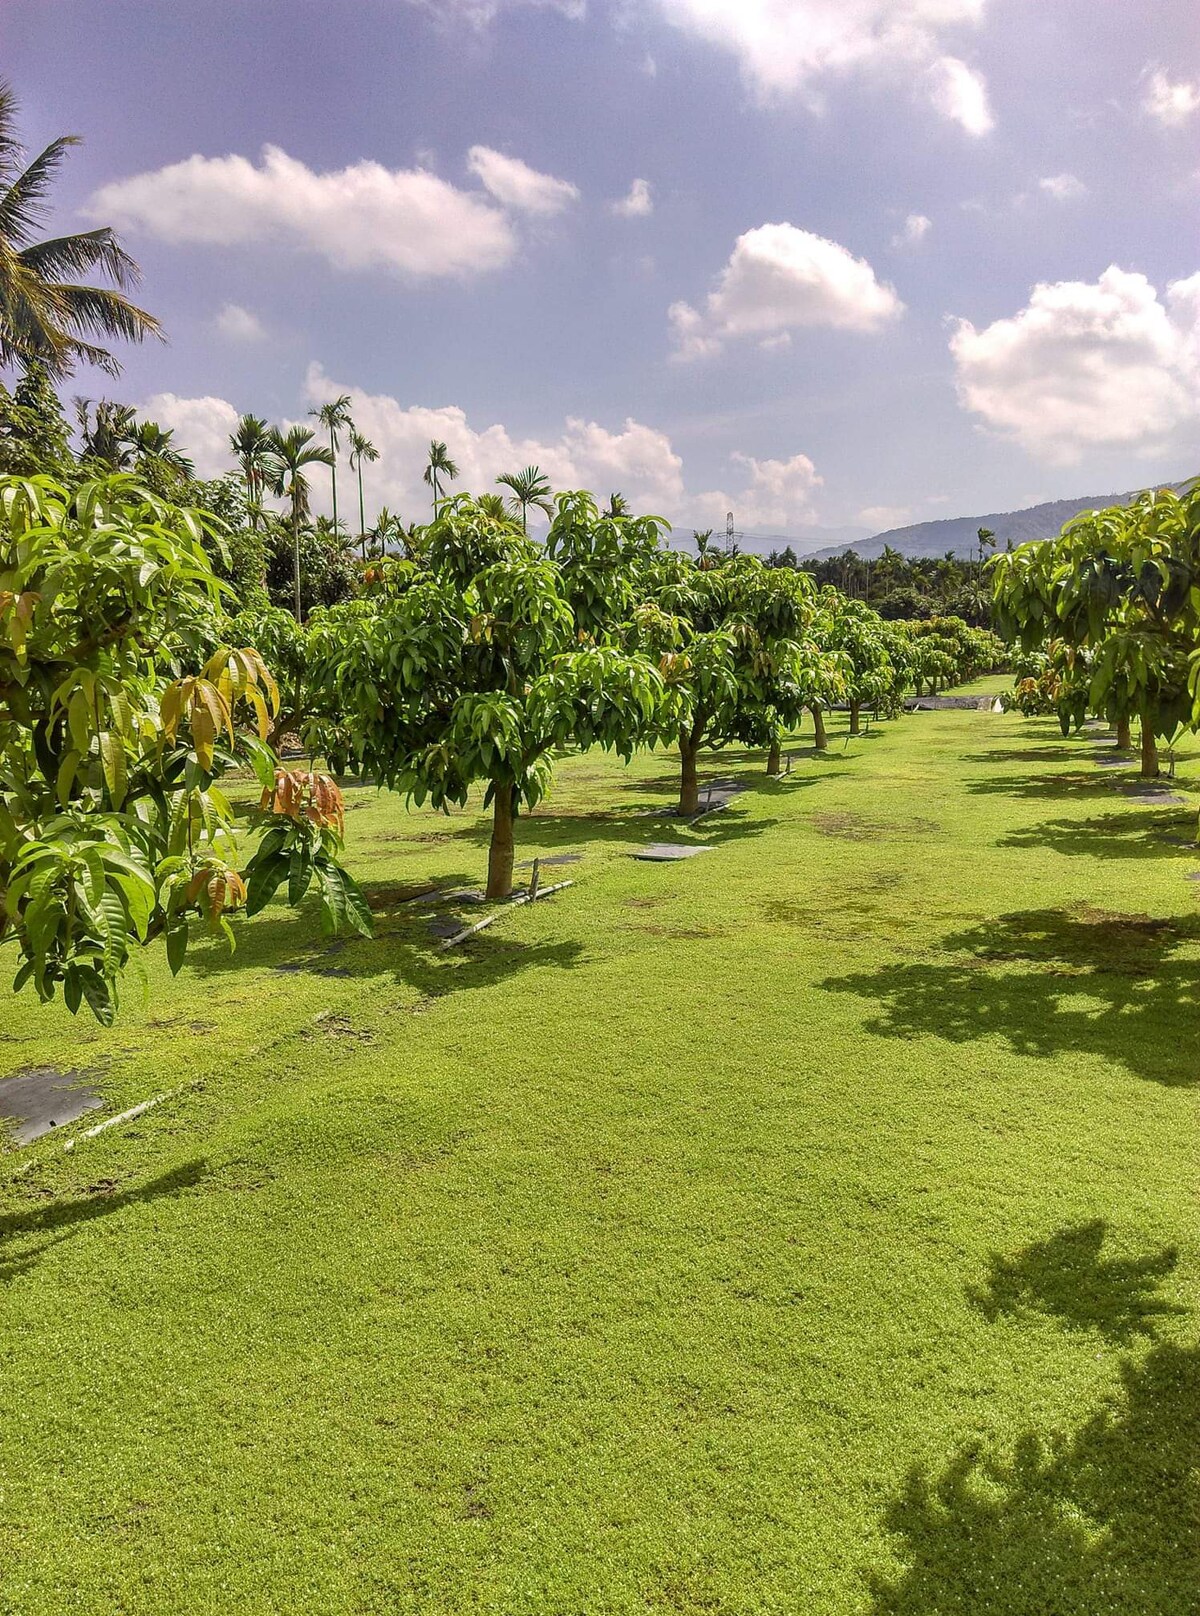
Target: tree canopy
120 710
1118 594
470 666
733 638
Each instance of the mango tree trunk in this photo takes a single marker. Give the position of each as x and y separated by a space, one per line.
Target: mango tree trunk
774 766
1124 735
689 783
855 710
820 738
1149 753
500 854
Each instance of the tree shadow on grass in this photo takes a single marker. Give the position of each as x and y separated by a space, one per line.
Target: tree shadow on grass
1036 787
1052 980
1035 752
1069 1278
403 947
1153 833
630 828
58 1220
1103 1520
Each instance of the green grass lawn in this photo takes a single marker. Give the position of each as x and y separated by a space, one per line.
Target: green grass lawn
808 1228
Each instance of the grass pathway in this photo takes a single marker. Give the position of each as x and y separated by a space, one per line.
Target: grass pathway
807 1227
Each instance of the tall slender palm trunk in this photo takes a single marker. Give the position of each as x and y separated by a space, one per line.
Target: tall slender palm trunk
362 515
296 561
333 475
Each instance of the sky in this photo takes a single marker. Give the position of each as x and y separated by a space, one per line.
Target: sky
834 265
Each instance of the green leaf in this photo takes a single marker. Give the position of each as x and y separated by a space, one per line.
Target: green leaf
177 941
112 760
263 880
300 872
99 994
268 848
72 989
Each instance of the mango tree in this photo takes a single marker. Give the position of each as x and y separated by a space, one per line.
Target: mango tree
1121 587
1055 682
858 632
947 651
470 667
283 644
734 641
120 711
607 561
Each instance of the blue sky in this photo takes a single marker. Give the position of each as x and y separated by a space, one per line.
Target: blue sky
888 260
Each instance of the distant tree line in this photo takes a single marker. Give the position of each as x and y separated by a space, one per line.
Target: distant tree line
912 587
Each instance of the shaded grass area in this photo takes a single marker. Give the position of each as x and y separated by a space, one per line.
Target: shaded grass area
808 1227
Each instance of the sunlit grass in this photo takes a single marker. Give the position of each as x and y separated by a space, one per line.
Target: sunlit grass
805 1228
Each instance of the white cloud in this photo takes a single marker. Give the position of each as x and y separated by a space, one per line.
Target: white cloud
778 493
515 185
634 459
779 279
884 517
481 12
239 324
362 217
774 494
1171 102
960 93
638 204
201 425
785 44
916 228
790 46
1063 187
1087 365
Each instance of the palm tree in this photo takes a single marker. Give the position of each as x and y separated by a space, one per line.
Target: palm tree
335 416
153 452
45 314
387 528
987 541
361 449
251 444
529 487
890 566
108 436
495 506
440 465
292 452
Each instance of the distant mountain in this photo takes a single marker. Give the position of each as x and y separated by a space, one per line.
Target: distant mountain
806 541
957 533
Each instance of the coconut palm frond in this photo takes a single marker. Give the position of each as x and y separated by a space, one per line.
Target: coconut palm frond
46 314
26 201
77 254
